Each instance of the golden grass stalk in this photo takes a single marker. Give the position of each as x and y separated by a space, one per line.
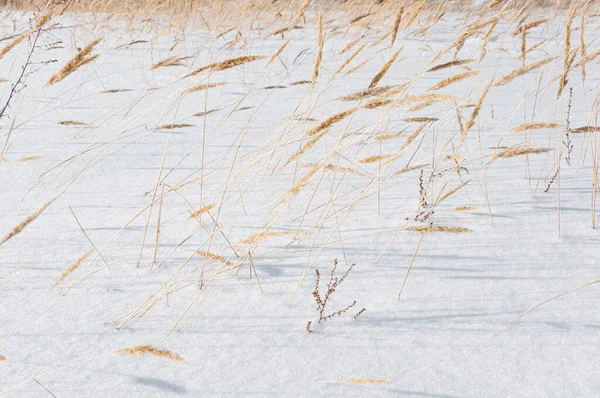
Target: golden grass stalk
367 381
73 267
427 229
373 159
385 68
377 103
13 232
407 169
28 158
589 57
227 64
169 61
582 38
586 129
321 42
486 39
475 113
369 92
351 44
414 135
446 65
357 67
330 121
465 208
521 71
279 50
2 358
536 126
519 150
259 237
397 21
200 211
567 60
416 13
536 46
452 192
530 25
71 123
214 257
454 79
141 350
349 59
335 167
82 58
43 20
432 100
303 7
294 190
306 147
204 86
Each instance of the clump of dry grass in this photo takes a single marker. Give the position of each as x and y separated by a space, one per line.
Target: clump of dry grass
330 121
141 350
227 64
421 119
454 79
25 222
206 113
13 43
73 267
410 168
384 68
200 211
521 71
204 86
537 126
82 58
427 229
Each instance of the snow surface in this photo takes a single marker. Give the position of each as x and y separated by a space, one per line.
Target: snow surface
448 335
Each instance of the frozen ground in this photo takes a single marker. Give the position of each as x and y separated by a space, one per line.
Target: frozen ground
448 334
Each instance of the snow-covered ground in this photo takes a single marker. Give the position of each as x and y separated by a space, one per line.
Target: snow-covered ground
151 146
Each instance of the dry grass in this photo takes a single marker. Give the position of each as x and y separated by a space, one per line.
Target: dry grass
19 227
537 126
227 64
384 69
73 267
204 86
201 211
521 71
82 58
428 229
142 350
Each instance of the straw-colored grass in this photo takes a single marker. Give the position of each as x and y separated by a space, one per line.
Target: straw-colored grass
82 58
19 227
142 350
